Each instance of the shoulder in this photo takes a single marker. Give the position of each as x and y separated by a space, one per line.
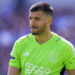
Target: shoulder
25 38
62 41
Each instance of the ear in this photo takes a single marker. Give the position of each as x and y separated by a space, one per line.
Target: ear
49 21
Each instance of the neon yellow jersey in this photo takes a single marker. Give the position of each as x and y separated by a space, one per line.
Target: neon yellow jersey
46 59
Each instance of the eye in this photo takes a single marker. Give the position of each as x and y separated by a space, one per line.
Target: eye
37 18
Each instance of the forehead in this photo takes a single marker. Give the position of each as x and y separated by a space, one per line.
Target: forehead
36 14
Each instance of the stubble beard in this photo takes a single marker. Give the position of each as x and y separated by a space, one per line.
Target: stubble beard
40 31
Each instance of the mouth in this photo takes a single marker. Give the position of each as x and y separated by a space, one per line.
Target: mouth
34 27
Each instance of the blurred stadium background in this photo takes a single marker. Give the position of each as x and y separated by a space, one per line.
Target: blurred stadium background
14 23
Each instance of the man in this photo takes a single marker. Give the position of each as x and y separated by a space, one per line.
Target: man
42 52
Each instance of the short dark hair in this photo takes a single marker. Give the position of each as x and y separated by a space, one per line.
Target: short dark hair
42 6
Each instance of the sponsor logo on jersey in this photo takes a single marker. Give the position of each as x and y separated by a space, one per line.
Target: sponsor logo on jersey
31 69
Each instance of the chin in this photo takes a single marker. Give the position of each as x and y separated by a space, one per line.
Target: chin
35 33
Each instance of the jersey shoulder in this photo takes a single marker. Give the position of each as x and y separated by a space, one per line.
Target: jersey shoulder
25 38
63 41
20 43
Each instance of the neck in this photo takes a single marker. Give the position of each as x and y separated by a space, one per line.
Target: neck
43 37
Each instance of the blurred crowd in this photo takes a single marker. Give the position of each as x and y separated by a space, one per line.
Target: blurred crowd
14 23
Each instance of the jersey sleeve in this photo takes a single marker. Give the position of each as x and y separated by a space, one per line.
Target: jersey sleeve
15 56
70 58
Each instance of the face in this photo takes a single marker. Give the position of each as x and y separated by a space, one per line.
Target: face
37 22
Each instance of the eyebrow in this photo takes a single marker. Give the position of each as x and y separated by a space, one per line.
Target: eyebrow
34 17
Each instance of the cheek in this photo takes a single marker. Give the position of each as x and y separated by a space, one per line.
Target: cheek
40 23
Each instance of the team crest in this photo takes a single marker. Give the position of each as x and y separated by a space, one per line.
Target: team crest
53 56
